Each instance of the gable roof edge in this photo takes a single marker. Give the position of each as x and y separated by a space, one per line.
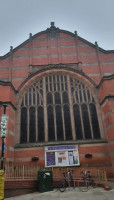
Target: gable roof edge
64 31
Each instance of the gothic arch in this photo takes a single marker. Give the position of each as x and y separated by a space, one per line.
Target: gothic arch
84 108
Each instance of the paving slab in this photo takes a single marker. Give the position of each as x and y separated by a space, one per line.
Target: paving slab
75 194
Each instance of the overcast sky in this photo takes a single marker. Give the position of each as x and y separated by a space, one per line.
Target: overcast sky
92 19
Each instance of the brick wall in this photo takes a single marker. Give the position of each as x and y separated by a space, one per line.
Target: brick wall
43 51
20 187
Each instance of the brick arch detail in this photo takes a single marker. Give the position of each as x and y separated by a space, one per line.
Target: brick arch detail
77 74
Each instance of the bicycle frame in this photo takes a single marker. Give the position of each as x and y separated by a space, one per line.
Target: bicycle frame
86 181
65 182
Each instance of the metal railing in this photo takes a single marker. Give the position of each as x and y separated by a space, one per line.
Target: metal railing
31 172
22 171
102 176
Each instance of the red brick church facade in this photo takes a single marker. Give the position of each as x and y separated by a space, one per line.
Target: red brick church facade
60 59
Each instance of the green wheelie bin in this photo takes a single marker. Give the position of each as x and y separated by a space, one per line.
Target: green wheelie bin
45 180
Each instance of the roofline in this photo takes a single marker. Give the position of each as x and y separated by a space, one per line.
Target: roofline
105 78
8 83
64 31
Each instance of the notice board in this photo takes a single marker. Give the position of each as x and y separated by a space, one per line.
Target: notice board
65 155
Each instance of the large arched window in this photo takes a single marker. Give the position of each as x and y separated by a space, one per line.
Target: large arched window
58 108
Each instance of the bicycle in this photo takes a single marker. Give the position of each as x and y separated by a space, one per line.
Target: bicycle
67 181
86 181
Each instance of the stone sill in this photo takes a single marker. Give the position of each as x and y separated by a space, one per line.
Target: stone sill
42 144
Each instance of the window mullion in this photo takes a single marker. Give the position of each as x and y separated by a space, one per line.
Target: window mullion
32 96
28 124
24 101
36 123
90 97
45 111
90 122
55 125
63 122
71 109
82 94
64 136
82 122
86 95
54 112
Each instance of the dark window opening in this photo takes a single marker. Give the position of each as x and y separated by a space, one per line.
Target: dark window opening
40 124
26 99
32 129
65 97
86 122
77 121
67 120
29 99
51 131
59 123
49 98
57 98
94 120
56 105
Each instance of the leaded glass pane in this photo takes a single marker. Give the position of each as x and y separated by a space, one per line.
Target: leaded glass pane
67 119
57 98
62 86
77 120
26 99
29 99
80 93
84 94
41 91
66 86
32 130
40 124
65 97
59 123
46 87
51 131
57 106
58 86
33 98
54 86
88 94
37 99
77 99
86 121
94 120
49 98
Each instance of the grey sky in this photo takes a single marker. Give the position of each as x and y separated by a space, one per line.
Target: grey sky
92 19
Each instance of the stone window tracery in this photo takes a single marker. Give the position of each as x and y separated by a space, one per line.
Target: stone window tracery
58 108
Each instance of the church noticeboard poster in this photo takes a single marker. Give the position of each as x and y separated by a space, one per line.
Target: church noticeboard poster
66 155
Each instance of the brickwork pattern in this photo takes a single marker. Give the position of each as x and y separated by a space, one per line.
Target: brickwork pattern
43 51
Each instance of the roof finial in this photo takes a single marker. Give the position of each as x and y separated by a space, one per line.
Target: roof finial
52 23
11 48
96 43
97 46
76 33
30 35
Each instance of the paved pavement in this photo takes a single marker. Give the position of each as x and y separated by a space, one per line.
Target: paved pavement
75 194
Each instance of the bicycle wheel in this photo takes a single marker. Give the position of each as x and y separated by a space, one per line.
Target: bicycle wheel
71 184
62 186
83 186
94 184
